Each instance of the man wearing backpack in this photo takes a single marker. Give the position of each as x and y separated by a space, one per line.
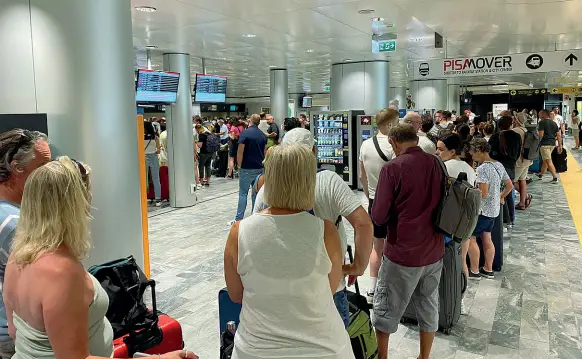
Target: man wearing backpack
408 193
530 141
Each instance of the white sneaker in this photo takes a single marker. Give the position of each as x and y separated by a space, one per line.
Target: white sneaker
370 296
158 203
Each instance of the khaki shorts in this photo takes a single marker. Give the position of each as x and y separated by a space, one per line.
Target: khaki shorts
521 173
546 152
397 286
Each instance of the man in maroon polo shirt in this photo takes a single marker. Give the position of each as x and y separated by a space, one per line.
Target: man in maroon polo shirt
408 192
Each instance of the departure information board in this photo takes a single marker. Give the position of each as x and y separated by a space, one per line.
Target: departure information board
210 88
157 87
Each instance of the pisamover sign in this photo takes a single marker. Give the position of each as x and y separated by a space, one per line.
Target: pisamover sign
498 65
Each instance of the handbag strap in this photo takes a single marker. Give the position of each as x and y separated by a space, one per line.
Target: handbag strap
378 149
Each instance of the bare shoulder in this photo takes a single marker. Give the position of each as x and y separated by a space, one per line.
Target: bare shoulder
59 269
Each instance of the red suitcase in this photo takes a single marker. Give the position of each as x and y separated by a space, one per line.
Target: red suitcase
171 339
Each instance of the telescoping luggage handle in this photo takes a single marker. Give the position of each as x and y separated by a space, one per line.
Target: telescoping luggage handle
351 255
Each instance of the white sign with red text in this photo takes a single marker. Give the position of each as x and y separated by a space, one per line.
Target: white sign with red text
499 65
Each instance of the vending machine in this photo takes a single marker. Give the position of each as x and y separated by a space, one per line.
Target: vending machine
366 128
334 132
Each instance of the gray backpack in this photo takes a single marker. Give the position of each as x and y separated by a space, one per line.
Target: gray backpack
531 143
457 213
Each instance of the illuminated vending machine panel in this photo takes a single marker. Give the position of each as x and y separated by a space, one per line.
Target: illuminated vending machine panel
332 132
367 128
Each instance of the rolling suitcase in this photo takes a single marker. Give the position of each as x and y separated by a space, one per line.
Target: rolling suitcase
171 339
560 160
497 238
227 310
536 166
450 290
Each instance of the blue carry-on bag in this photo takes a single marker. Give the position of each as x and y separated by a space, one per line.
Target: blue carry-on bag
227 310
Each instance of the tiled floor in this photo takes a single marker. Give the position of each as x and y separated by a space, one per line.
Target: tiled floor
533 308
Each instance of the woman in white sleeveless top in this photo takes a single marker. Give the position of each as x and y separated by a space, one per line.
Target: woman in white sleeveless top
283 264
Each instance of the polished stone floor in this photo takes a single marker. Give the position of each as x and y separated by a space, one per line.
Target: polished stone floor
531 310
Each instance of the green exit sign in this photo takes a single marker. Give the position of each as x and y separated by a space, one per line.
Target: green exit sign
327 88
387 46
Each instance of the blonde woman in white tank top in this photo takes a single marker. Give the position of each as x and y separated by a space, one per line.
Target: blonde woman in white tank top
283 264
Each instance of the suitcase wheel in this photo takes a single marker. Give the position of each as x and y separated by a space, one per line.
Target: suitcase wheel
447 331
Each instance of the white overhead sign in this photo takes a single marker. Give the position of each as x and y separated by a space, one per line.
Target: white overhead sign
499 65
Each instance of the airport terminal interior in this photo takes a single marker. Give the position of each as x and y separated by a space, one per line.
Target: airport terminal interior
154 96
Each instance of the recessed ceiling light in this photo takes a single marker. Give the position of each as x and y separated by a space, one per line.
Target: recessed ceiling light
378 19
249 35
310 50
366 11
146 8
222 58
272 66
151 47
348 60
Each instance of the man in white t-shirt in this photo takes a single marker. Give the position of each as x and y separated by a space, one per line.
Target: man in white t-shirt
333 200
371 163
559 120
424 142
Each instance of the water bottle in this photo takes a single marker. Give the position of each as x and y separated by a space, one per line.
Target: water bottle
231 327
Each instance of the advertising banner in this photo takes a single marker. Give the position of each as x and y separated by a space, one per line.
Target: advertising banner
499 65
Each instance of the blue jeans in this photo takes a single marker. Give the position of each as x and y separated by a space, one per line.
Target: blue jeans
153 164
246 179
343 307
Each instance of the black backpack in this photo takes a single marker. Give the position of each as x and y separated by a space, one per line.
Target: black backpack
125 284
212 143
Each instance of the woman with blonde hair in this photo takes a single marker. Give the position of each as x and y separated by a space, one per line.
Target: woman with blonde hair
55 308
284 264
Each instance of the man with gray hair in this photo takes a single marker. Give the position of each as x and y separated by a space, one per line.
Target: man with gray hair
21 152
333 200
251 153
414 119
408 192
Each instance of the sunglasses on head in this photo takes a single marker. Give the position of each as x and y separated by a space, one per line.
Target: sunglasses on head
24 138
81 168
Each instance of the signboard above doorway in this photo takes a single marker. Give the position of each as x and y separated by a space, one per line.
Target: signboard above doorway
503 64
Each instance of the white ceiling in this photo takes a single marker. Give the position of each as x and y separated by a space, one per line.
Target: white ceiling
307 36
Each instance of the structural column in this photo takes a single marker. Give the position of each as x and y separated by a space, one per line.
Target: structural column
180 141
80 54
360 86
453 95
398 94
279 95
429 94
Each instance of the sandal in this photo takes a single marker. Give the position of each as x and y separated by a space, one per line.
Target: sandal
528 200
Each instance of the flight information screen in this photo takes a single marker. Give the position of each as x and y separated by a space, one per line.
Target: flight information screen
157 86
210 88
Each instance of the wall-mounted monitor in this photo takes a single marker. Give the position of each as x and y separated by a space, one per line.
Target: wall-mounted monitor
210 88
156 87
306 101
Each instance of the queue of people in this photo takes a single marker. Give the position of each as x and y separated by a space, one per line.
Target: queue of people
299 212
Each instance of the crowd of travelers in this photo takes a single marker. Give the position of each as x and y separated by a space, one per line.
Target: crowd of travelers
286 262
297 233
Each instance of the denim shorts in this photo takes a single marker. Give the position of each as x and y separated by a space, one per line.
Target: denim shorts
343 307
484 224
